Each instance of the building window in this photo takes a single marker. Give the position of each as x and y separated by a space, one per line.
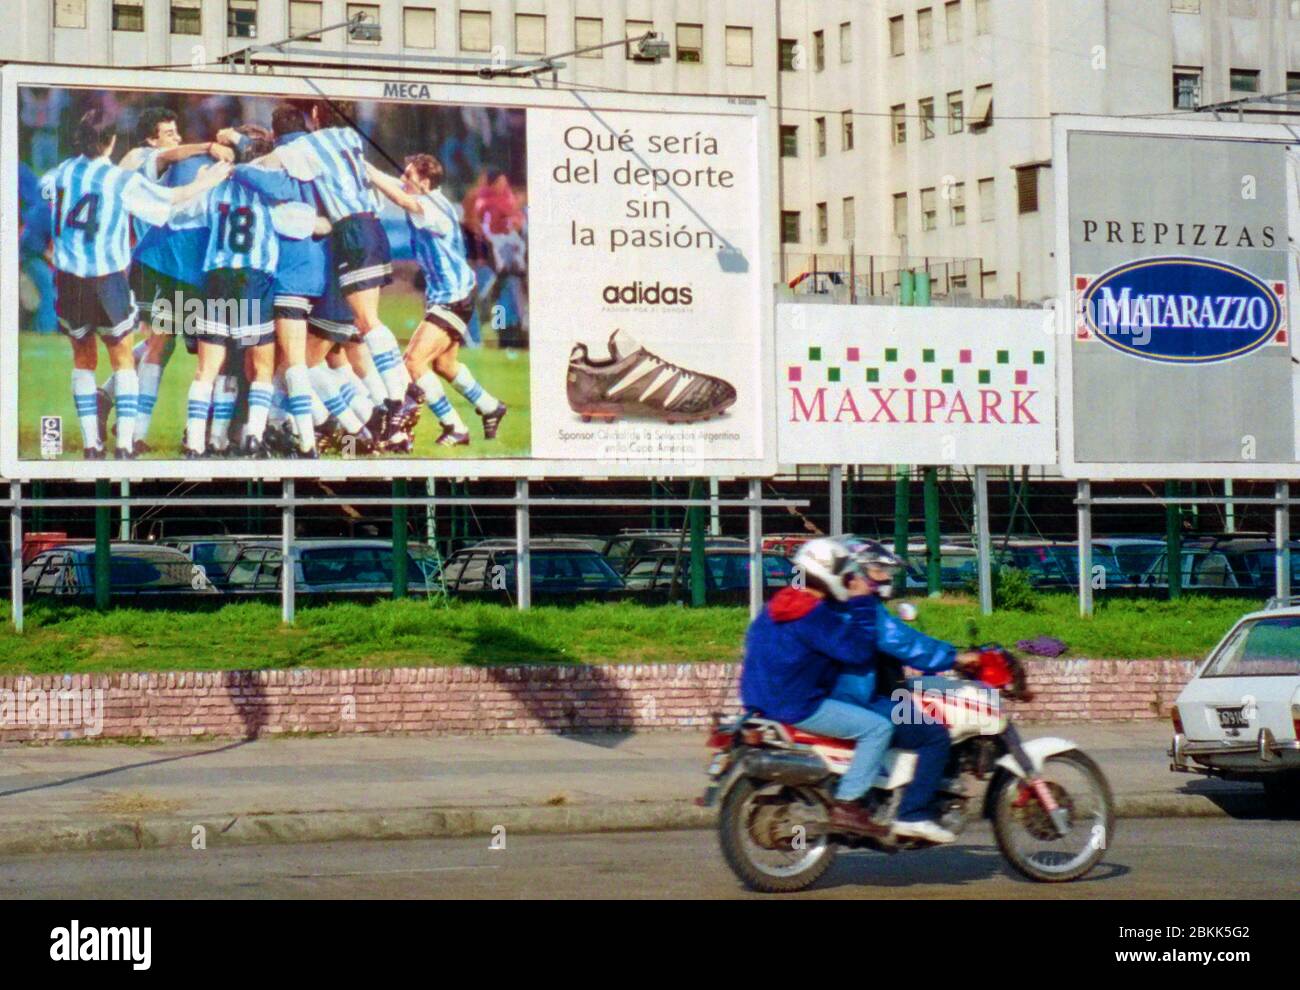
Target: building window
369 14
1243 80
823 224
530 34
789 226
186 17
926 108
846 42
988 209
957 203
588 31
819 129
1027 189
929 209
304 17
634 31
956 120
419 27
740 46
69 13
900 213
1185 6
925 28
849 218
475 31
981 117
241 19
788 49
819 49
1292 82
128 16
898 123
988 285
846 130
690 43
896 43
982 14
789 141
952 21
1187 89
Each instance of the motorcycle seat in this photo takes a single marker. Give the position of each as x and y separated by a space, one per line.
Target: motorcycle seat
812 739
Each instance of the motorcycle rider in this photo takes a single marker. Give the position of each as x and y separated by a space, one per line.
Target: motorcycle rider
810 661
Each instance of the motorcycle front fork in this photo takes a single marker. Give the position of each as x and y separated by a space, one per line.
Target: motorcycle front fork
1034 783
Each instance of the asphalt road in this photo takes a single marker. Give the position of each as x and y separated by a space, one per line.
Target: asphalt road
1188 858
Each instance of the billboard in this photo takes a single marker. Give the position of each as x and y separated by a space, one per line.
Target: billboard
217 275
1175 352
904 385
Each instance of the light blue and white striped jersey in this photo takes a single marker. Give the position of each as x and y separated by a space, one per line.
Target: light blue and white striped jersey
335 160
92 202
241 229
438 243
144 160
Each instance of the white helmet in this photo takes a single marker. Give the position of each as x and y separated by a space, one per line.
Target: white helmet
833 560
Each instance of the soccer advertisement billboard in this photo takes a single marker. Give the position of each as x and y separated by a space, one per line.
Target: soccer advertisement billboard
904 385
219 275
1176 357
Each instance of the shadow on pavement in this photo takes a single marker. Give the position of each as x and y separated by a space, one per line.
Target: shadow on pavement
1240 800
122 769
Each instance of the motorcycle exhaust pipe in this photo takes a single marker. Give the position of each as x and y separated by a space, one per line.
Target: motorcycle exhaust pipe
785 768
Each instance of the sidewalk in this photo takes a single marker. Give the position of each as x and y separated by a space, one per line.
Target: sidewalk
87 796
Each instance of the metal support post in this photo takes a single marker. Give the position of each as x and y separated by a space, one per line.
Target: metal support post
16 555
756 575
695 514
1174 541
523 544
902 510
124 515
288 568
933 573
836 484
1282 540
103 549
983 543
400 575
1084 493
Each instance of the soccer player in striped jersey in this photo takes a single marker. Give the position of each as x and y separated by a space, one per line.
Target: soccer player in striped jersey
438 242
92 203
333 157
239 267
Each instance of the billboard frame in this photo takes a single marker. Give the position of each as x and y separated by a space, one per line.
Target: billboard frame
441 93
1063 125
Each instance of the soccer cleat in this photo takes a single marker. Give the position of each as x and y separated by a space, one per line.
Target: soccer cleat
142 448
632 382
254 450
93 453
926 831
192 455
492 421
450 437
123 454
377 424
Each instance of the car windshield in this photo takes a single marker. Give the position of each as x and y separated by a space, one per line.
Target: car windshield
564 569
1266 647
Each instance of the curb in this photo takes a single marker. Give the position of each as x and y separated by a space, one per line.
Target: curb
427 823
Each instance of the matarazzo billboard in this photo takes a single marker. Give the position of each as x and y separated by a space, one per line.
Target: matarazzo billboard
904 385
1177 273
211 275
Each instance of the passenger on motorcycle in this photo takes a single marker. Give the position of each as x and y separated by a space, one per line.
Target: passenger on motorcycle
811 659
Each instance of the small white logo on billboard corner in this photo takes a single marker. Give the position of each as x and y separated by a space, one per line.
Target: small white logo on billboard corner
104 944
51 437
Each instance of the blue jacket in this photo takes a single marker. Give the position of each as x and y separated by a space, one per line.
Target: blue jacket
800 643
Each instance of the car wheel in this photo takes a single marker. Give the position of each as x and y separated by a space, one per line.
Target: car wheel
1282 791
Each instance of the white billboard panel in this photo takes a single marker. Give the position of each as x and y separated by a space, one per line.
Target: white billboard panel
252 276
908 385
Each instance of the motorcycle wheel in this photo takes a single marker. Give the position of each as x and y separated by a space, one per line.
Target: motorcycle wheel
1091 812
756 835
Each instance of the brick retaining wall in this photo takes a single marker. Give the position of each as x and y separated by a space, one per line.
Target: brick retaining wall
485 700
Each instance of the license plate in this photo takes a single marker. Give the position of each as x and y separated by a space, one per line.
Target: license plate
1232 718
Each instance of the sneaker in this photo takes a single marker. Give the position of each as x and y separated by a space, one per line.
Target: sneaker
492 421
849 816
926 830
634 382
451 437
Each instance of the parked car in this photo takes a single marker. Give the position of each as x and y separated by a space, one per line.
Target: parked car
558 568
786 543
726 574
958 566
134 569
629 546
215 555
1051 564
1238 568
1133 556
1239 717
353 567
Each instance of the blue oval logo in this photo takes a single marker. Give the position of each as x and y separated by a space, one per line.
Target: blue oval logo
1185 310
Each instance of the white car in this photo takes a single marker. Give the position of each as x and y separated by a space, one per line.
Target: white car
1239 717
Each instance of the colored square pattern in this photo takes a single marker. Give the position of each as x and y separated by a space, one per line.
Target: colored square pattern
852 354
795 374
873 374
1022 377
1004 357
832 374
984 376
963 356
891 354
927 355
945 376
814 354
1039 357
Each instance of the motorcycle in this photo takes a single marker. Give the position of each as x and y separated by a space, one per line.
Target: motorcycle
1051 806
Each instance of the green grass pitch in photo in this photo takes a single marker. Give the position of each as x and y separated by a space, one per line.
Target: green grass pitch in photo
45 363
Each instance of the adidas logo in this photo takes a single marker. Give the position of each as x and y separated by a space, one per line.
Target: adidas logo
648 294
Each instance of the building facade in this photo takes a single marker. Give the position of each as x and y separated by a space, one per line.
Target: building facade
906 133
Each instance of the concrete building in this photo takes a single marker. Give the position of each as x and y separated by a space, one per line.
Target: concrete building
906 131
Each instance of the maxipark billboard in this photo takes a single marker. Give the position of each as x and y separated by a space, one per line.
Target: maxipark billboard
1178 272
216 275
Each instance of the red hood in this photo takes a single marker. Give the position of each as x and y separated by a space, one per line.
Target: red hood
789 604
